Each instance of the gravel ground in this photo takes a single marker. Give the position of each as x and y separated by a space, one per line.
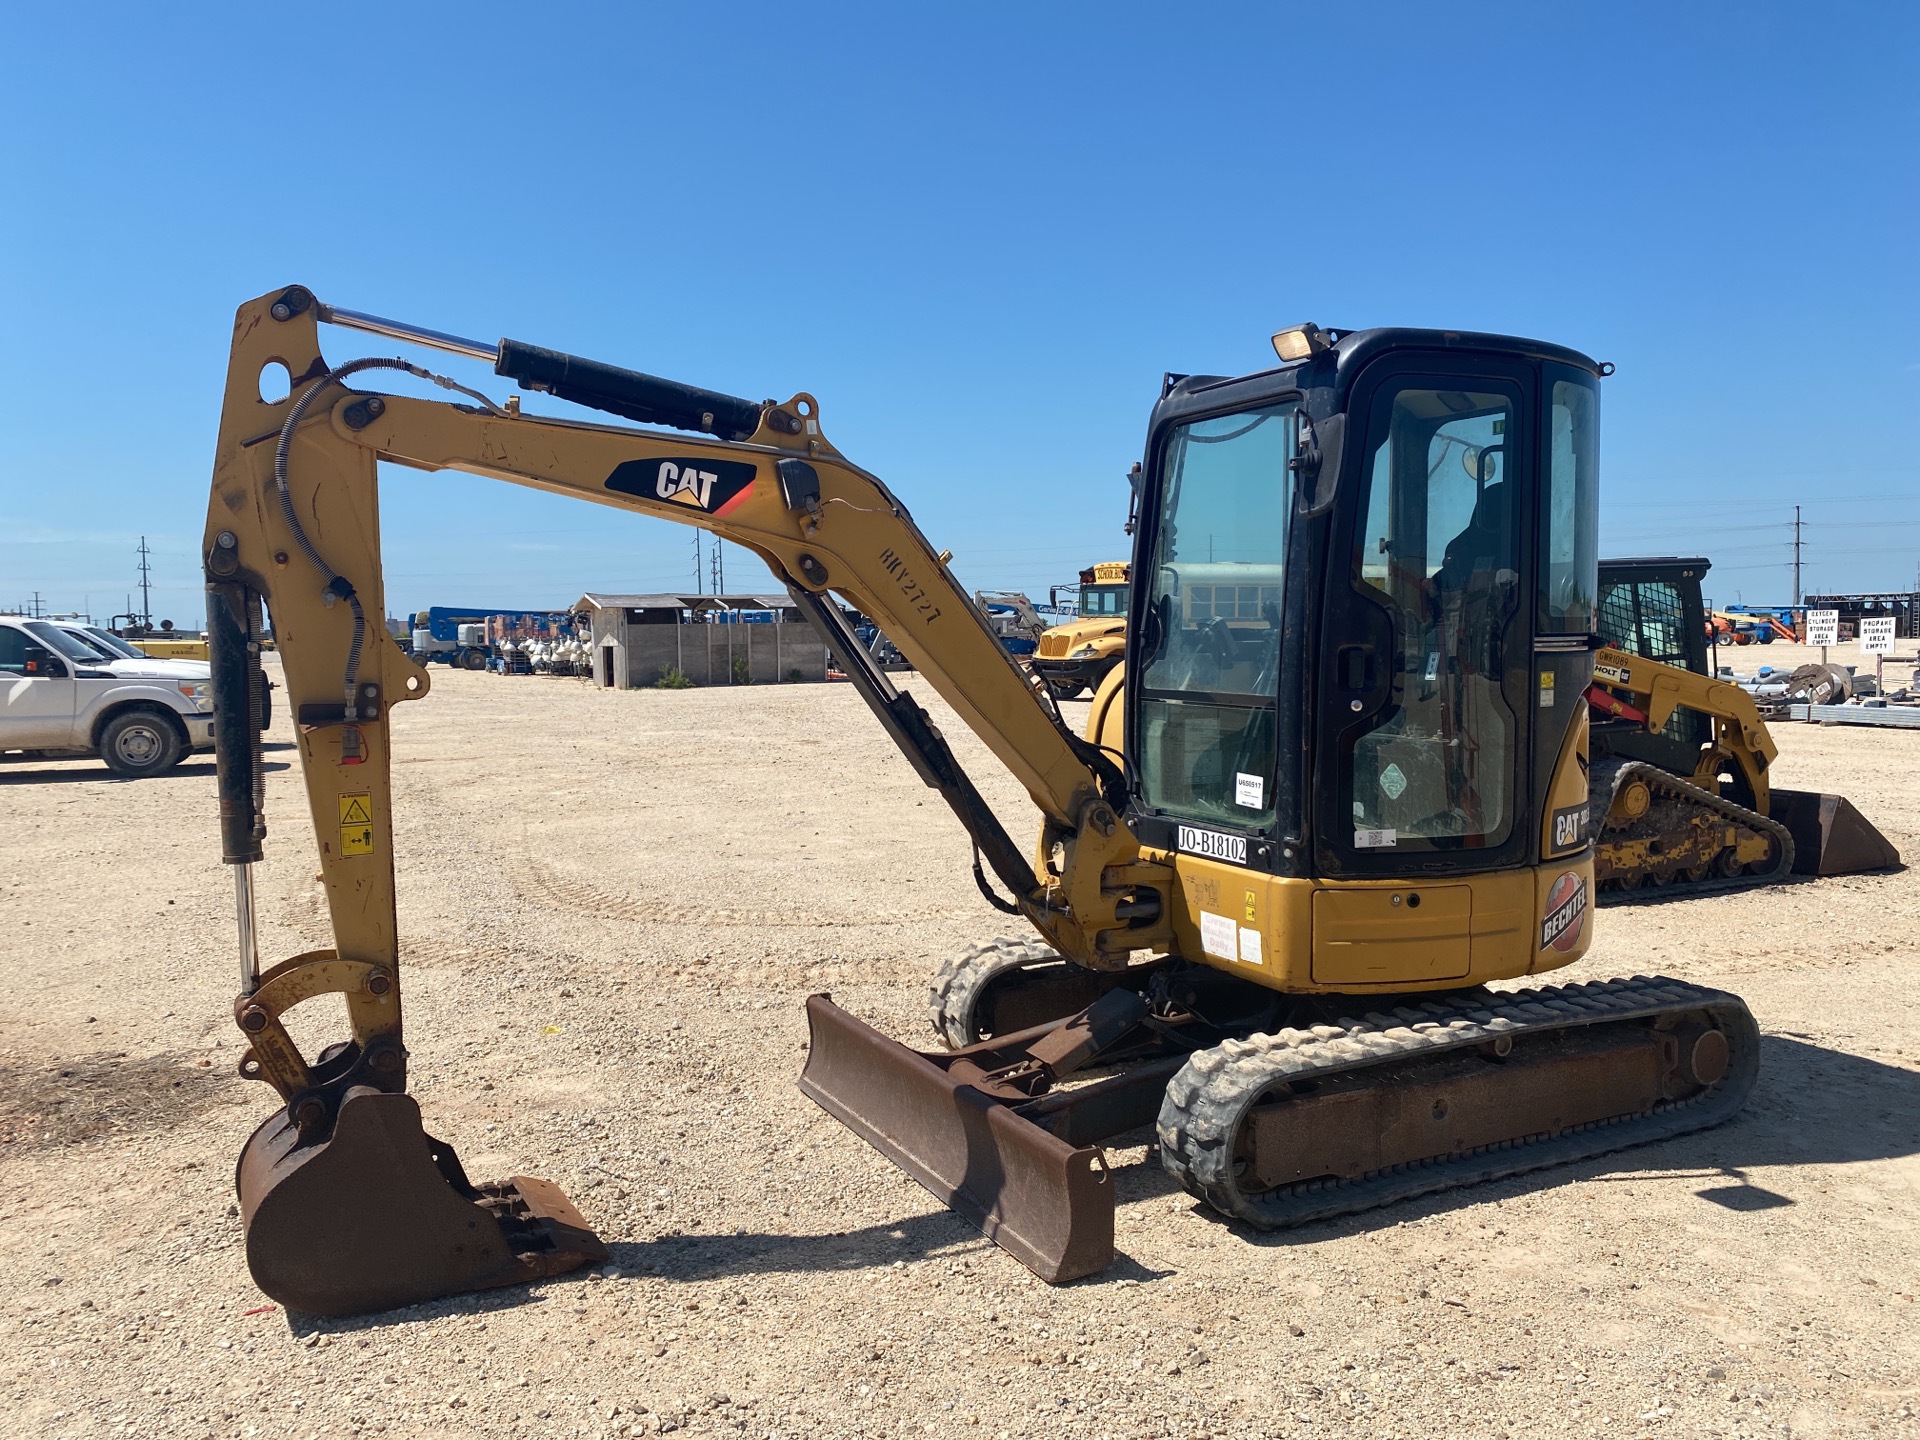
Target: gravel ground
613 905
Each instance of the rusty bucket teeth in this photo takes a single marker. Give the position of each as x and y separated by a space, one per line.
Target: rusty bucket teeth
1045 1202
380 1215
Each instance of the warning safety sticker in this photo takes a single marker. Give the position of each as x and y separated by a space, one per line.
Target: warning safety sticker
356 824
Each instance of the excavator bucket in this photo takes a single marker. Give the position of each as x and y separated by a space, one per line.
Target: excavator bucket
1830 837
1046 1202
379 1214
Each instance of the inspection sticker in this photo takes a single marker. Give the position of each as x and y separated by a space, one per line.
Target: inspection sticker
1218 935
356 824
1375 839
1250 947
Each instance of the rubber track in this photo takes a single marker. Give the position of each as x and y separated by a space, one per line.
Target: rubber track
958 982
1212 1094
1604 783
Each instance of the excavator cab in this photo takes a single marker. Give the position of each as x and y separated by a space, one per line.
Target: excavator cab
1366 591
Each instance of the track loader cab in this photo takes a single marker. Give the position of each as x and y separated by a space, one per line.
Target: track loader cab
1651 607
1365 587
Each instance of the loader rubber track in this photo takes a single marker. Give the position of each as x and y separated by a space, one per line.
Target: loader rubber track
1667 818
1213 1095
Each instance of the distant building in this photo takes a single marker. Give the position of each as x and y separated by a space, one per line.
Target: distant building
711 639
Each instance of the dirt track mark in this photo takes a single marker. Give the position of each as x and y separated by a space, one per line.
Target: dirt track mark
63 1102
538 882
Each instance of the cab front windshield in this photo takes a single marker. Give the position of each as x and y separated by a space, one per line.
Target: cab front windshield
1210 680
1103 600
71 646
112 644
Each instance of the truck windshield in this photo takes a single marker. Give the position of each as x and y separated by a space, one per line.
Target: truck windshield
1098 600
61 643
111 644
1210 682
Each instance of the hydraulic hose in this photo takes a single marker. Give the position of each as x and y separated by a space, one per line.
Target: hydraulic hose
338 587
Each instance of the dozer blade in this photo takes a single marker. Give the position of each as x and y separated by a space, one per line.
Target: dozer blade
380 1215
1830 837
1047 1203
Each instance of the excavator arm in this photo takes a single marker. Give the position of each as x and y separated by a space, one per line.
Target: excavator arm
344 1169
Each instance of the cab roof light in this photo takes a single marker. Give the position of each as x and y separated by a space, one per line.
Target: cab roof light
1299 342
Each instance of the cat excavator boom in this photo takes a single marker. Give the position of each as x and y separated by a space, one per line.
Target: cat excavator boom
1265 932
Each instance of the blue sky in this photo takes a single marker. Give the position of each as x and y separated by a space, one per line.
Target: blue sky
979 234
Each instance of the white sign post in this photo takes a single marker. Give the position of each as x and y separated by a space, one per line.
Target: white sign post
1876 639
1823 629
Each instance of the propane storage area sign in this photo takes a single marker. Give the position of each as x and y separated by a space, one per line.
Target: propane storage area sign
1876 634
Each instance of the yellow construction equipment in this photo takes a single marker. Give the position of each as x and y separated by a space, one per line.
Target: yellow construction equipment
1268 925
1680 779
1077 655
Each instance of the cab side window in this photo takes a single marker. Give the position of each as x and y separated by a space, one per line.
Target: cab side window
13 651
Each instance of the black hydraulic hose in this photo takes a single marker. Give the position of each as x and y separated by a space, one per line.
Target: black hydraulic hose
1005 907
338 587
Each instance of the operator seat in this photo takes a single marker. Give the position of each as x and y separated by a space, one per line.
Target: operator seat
1482 545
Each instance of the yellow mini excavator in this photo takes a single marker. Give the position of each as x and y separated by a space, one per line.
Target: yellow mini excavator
1355 728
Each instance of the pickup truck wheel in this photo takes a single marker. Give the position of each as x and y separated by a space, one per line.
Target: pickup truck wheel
137 743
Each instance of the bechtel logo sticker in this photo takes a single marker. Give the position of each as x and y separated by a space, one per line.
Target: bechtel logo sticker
1566 913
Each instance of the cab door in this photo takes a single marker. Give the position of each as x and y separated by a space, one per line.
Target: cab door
36 694
1424 756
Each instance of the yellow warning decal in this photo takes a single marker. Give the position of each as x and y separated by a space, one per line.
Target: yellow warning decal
1250 908
356 824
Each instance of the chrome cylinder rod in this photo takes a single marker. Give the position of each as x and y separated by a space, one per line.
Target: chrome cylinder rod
401 330
249 940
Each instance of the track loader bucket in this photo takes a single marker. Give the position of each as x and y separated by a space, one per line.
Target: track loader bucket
1046 1202
379 1214
1830 837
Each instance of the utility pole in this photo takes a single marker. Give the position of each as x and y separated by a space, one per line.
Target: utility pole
36 604
698 558
146 592
1796 554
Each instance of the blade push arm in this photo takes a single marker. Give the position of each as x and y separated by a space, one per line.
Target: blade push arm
1631 687
293 521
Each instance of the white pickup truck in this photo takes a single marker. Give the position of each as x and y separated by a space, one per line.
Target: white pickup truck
61 696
